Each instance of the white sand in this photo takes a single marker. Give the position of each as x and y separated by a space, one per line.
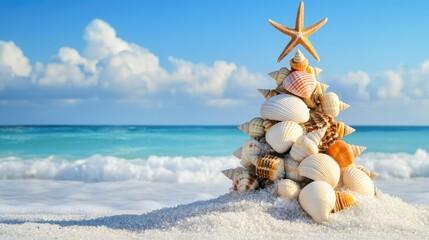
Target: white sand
258 215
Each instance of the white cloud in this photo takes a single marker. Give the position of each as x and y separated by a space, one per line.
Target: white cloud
13 63
392 87
360 80
223 102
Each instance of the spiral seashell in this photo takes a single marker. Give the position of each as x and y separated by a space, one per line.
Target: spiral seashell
342 200
291 169
320 167
299 62
279 75
372 175
254 128
357 150
244 181
268 123
300 83
267 93
285 107
318 200
270 167
250 152
330 104
344 130
287 188
320 120
237 153
314 100
314 71
307 144
282 135
343 106
322 86
229 173
342 153
357 181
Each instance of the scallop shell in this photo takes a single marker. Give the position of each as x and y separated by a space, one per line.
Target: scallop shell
299 62
357 150
357 181
291 169
344 130
372 175
313 70
342 200
318 200
254 128
267 93
244 181
287 188
279 75
270 167
307 144
282 135
331 104
300 83
342 153
285 107
320 167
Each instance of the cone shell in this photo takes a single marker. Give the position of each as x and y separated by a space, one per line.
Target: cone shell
270 167
282 135
254 128
318 200
320 167
299 62
357 150
237 153
342 153
285 107
343 106
300 83
331 104
287 188
267 93
314 71
229 173
279 75
342 200
291 169
244 181
307 144
357 181
344 130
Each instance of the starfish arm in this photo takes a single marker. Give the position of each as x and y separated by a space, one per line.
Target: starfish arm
299 24
293 42
283 29
313 28
307 45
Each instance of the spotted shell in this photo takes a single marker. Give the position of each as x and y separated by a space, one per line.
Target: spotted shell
299 62
300 83
279 75
244 181
282 135
285 107
342 200
254 128
318 200
342 153
270 167
357 181
287 188
320 167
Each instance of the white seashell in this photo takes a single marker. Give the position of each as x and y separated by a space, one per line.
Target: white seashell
372 175
358 181
357 150
291 169
244 181
237 153
317 71
251 150
282 135
323 86
287 188
299 57
320 167
285 107
229 173
307 144
253 128
331 104
318 200
343 106
348 130
279 75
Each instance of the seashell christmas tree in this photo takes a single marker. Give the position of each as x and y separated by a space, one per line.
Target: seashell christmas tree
296 144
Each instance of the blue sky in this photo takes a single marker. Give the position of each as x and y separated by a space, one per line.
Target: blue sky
200 62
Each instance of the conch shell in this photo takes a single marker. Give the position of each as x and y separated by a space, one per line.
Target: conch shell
358 181
307 144
285 107
299 62
291 169
344 130
318 200
287 188
320 167
254 128
237 153
279 75
332 105
342 201
282 135
300 83
270 167
267 93
242 180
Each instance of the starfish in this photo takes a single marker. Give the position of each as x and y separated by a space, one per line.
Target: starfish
299 34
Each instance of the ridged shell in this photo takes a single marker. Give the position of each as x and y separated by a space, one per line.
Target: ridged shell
237 153
244 181
342 200
299 62
287 188
267 93
320 120
342 152
318 200
279 75
357 150
285 107
331 104
229 173
291 169
282 135
251 149
320 167
307 144
357 181
270 167
344 130
313 70
254 128
372 175
300 83
323 86
343 106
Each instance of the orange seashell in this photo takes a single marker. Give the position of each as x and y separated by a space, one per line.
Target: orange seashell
342 153
299 62
342 201
300 83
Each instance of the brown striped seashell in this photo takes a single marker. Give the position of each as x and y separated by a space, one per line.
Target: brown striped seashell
270 167
358 181
244 181
285 107
314 71
357 150
282 135
342 200
300 83
298 62
320 120
229 173
320 167
291 169
254 128
287 188
268 123
342 153
267 93
344 130
279 75
318 200
307 144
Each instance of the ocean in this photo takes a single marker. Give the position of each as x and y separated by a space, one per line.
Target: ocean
91 169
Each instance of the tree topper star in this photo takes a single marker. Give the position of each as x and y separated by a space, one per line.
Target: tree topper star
299 34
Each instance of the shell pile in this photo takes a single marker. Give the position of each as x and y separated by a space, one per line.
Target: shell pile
297 145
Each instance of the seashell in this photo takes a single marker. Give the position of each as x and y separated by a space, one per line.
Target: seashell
291 169
318 200
320 120
299 62
251 150
314 100
268 123
282 135
372 175
344 130
342 153
229 173
279 75
270 167
323 86
254 128
320 167
357 181
330 104
285 107
287 188
267 93
357 150
307 144
343 106
300 83
314 71
244 181
237 153
342 200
